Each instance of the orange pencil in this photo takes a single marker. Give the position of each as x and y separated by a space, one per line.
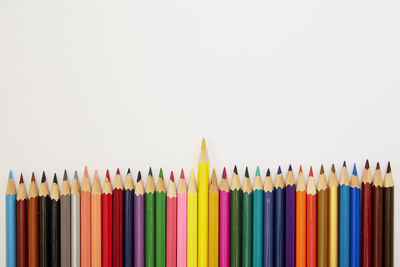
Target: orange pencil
85 221
96 221
301 227
311 212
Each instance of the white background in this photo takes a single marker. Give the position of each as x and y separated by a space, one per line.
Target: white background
135 84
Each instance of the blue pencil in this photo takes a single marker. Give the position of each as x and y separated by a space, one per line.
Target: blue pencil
258 200
128 220
268 248
279 220
11 223
354 219
344 218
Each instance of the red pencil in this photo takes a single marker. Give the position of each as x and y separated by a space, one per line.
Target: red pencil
22 226
366 216
311 219
171 223
106 199
118 216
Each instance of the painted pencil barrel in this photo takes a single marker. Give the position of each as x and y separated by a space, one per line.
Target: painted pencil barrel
192 231
290 226
224 225
55 257
322 228
279 252
65 206
258 209
22 230
268 236
160 229
333 226
171 232
181 241
213 235
247 225
11 231
354 227
44 213
377 230
75 231
235 228
138 231
301 229
388 219
344 225
366 224
150 229
128 226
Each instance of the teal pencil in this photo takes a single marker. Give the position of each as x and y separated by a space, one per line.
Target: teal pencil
11 223
258 203
344 218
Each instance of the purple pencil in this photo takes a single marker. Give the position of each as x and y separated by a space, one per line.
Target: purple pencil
290 233
139 223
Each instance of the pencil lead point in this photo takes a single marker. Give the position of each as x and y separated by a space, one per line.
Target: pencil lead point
171 177
118 172
389 168
246 173
33 177
322 171
235 170
139 177
224 173
65 175
10 175
21 180
76 175
108 175
333 168
43 177
213 174
344 164
182 174
258 171
203 144
367 164
290 167
311 172
354 170
300 169
55 178
192 174
129 171
279 170
268 172
378 166
85 173
160 174
150 172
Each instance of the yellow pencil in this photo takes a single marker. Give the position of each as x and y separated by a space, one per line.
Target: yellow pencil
203 207
192 223
333 222
213 222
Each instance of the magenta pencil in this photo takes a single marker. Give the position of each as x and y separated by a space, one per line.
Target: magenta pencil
224 221
181 222
171 223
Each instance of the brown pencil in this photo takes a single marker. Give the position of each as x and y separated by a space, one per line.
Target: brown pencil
322 220
22 249
388 219
33 224
377 205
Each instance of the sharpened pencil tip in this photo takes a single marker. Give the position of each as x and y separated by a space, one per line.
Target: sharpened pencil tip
108 175
311 172
33 177
389 168
85 173
235 170
76 175
171 177
213 174
55 178
10 175
279 170
258 171
65 175
224 173
344 164
322 171
268 173
160 174
150 172
203 144
246 173
118 172
290 167
354 170
43 177
182 174
301 169
333 168
367 164
378 166
139 177
192 174
21 180
129 171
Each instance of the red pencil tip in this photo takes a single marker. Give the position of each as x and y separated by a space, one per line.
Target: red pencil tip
33 177
311 172
224 174
300 169
367 165
85 173
171 177
21 180
378 166
118 173
182 174
108 175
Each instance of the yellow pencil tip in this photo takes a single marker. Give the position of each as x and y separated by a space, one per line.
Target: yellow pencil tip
213 175
203 144
192 174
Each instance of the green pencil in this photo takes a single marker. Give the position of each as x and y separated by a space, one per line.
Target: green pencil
235 221
247 221
149 217
161 196
258 203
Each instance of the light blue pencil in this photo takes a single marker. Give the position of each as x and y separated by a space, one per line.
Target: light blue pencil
344 218
11 223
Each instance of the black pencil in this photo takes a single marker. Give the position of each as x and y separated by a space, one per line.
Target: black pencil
388 218
55 243
44 203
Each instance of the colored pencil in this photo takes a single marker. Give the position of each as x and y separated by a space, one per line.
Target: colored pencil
86 221
139 222
344 218
33 224
355 219
258 209
333 219
118 216
224 217
377 230
75 222
279 224
65 220
213 221
160 196
290 219
44 223
235 220
366 216
55 237
129 228
301 221
96 220
107 222
322 219
171 223
388 218
192 223
22 228
203 177
269 216
247 221
11 217
311 218
150 222
181 239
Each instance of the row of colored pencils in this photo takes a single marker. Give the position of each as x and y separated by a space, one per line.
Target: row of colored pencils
331 223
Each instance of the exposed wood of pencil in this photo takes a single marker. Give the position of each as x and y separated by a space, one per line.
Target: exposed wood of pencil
33 224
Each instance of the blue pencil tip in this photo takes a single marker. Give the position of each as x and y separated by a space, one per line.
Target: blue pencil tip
344 164
10 175
279 170
355 170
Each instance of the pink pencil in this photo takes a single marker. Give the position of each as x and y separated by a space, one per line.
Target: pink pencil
224 221
171 223
182 222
